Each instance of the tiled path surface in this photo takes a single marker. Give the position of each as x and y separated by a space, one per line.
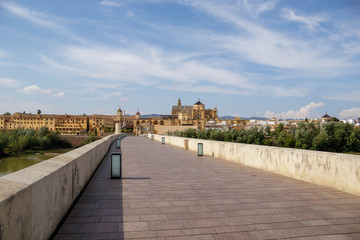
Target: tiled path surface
170 193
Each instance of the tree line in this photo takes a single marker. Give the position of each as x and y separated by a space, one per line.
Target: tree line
16 141
331 137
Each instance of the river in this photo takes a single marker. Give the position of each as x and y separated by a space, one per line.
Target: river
20 161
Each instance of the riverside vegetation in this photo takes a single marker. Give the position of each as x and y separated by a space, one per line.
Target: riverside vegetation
331 137
20 141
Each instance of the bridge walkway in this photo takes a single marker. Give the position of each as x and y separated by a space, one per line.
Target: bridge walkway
170 193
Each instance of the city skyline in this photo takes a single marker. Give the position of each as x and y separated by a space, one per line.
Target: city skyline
249 58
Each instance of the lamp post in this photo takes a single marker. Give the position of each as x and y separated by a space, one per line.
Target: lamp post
116 165
200 149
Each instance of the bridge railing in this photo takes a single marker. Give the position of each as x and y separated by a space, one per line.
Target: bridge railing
335 170
35 199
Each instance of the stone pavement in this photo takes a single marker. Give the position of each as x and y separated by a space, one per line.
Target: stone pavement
170 193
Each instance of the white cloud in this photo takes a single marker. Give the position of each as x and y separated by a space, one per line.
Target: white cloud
258 44
296 114
8 82
124 99
258 7
6 97
345 96
53 23
350 113
110 3
311 22
34 89
33 16
3 54
60 94
150 66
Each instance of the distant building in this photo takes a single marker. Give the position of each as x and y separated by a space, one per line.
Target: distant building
182 117
64 124
325 118
28 121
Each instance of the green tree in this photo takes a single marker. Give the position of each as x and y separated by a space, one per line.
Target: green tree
334 119
286 140
305 134
324 142
7 114
353 142
39 111
43 131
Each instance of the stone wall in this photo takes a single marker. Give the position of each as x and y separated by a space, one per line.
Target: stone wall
163 129
34 200
334 170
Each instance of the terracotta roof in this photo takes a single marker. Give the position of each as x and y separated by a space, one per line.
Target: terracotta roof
176 109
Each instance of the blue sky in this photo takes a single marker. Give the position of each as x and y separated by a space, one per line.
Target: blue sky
289 59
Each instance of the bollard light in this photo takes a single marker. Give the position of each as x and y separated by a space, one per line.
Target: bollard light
163 140
152 137
200 149
116 165
118 143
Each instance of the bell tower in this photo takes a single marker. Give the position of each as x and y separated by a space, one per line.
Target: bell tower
119 115
179 102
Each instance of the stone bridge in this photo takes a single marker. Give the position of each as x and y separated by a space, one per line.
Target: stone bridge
170 193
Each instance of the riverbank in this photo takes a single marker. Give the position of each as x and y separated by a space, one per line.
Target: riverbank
30 157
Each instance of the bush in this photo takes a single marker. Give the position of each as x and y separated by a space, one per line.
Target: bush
332 136
12 142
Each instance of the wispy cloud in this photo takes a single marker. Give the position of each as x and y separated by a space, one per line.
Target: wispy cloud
302 113
3 54
350 113
34 89
60 94
151 66
33 16
259 7
110 3
53 23
258 44
311 22
345 96
8 82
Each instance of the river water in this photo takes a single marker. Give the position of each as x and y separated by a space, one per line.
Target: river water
18 162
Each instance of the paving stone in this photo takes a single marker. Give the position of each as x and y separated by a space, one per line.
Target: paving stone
98 227
134 226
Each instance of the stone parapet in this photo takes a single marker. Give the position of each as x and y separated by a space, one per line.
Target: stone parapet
335 170
35 199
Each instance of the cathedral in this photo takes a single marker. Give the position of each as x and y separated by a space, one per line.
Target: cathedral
182 117
194 115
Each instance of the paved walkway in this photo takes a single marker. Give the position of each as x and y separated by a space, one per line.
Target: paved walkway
170 193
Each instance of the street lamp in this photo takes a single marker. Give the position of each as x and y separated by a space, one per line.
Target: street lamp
116 165
200 149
